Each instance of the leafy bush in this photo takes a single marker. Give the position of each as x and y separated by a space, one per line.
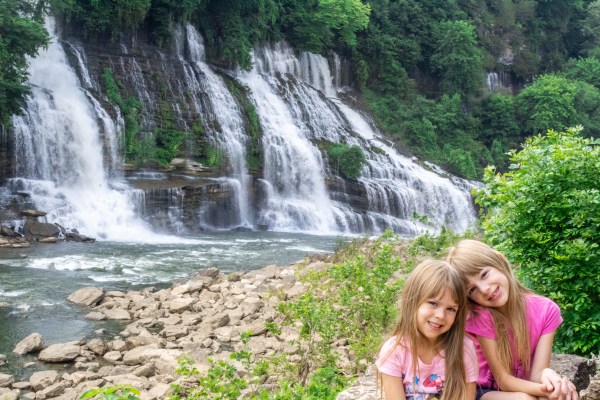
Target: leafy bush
544 214
347 160
118 392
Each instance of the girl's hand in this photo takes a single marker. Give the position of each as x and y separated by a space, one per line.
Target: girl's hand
557 387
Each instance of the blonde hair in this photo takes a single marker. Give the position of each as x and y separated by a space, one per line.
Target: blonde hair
469 257
430 279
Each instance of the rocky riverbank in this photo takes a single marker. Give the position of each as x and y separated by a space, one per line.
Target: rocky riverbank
202 317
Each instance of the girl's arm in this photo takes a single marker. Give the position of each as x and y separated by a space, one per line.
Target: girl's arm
504 378
555 386
393 387
471 390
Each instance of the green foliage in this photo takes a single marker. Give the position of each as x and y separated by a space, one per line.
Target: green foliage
252 125
212 156
118 392
344 16
498 119
460 160
590 26
167 144
544 214
548 103
347 160
22 33
456 57
131 108
99 18
584 69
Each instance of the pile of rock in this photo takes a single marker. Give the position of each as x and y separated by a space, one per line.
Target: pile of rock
38 231
203 317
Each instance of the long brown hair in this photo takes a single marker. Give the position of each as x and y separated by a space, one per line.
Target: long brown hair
430 279
469 257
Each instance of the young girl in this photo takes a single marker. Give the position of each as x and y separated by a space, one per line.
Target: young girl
427 355
513 326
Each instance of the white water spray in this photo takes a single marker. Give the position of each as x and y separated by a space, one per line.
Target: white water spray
59 156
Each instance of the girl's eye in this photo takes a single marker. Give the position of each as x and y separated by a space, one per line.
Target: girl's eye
471 291
432 302
485 274
452 310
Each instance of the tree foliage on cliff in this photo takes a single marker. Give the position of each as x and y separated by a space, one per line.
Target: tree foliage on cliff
21 34
544 214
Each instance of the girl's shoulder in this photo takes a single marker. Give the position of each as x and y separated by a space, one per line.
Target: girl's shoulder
540 305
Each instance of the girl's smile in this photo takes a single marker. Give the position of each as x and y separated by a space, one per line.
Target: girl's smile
436 315
488 288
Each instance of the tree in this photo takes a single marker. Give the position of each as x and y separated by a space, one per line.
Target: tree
544 214
21 35
346 17
456 58
590 26
548 103
584 69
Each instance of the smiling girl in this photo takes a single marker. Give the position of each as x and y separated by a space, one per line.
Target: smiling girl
427 355
514 328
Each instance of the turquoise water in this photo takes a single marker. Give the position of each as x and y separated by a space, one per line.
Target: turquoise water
36 281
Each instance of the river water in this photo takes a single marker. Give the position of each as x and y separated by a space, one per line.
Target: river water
36 281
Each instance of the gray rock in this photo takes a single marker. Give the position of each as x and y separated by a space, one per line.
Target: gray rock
95 316
117 313
97 346
42 379
31 344
60 352
87 296
6 380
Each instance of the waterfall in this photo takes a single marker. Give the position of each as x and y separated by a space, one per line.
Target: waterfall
232 137
59 157
67 145
294 173
298 94
497 81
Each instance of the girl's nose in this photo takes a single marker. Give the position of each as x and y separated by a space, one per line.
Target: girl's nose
483 288
440 313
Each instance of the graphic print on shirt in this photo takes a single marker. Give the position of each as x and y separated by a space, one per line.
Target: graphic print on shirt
430 388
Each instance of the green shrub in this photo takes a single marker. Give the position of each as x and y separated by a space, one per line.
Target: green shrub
347 160
544 214
118 392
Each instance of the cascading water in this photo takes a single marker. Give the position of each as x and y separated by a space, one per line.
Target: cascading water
400 192
296 194
232 138
296 99
59 157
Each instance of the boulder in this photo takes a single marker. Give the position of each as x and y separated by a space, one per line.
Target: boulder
31 344
116 313
33 213
87 296
42 379
43 229
6 380
61 352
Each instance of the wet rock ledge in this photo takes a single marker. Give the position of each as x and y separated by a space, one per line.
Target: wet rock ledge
201 317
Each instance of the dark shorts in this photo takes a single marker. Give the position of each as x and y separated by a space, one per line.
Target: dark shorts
480 391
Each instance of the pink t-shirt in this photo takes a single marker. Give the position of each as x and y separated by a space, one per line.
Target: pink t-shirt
542 316
397 361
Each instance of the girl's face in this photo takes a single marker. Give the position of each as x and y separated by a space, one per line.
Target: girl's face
489 288
436 315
